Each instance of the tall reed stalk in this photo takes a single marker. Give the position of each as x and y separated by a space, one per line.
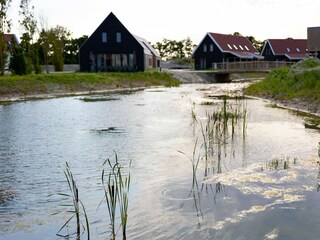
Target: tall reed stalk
78 206
116 192
110 187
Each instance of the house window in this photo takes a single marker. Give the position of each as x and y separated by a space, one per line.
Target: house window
104 37
204 47
230 46
211 47
241 47
288 49
118 37
246 47
298 50
235 46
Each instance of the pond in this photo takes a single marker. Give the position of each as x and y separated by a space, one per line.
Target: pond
256 180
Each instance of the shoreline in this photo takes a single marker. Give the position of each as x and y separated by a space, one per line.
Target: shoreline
292 105
32 97
297 105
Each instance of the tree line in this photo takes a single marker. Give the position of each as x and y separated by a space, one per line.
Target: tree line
41 45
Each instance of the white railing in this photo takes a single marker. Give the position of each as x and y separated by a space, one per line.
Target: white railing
250 66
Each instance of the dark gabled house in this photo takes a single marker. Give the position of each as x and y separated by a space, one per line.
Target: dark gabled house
289 49
218 48
113 48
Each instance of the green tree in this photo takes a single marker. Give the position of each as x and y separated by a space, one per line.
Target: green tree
29 25
256 43
5 26
18 63
58 37
72 48
172 49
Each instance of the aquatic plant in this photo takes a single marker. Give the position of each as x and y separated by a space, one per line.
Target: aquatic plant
77 205
110 187
279 163
124 187
100 99
215 130
116 191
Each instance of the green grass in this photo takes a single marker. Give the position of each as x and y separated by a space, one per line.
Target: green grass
11 85
307 63
283 84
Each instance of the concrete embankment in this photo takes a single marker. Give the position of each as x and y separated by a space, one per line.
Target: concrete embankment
189 76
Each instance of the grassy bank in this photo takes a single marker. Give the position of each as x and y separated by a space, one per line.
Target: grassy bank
289 84
13 86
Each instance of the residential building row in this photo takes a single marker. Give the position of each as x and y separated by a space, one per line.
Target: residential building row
111 47
220 48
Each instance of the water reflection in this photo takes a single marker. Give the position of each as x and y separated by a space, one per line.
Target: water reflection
150 127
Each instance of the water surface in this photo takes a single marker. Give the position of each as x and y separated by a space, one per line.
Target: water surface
247 199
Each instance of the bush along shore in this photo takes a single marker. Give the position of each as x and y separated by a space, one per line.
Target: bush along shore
297 87
19 88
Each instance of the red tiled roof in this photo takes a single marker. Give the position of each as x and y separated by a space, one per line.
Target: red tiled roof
8 37
233 44
289 46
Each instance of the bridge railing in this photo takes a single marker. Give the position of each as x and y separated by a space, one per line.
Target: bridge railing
250 66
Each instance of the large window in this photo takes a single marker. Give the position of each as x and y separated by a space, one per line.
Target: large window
113 62
104 37
118 37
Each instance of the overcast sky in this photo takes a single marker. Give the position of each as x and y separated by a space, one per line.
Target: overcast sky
179 19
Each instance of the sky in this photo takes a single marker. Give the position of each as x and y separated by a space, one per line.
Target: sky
180 19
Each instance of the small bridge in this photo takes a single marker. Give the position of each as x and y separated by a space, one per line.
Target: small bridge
221 71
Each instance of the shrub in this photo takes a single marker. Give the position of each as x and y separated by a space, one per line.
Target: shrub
18 63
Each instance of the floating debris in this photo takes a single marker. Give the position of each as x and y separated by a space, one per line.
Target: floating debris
272 235
6 194
99 99
314 126
108 130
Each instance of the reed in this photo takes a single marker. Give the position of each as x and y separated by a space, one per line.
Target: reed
194 163
110 187
78 207
116 192
124 187
281 163
216 130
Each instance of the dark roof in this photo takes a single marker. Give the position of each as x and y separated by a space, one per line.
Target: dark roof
233 43
239 46
291 48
